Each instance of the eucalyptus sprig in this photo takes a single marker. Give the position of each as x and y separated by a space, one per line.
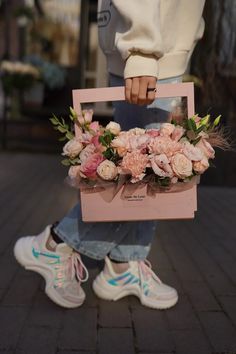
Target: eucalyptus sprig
60 125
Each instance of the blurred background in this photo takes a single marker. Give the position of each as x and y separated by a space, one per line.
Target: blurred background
56 43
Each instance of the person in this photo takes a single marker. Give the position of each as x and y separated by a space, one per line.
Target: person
144 41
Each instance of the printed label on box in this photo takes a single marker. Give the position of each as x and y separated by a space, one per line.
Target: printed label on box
135 200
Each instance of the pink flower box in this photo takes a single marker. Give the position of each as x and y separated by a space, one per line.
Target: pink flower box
138 205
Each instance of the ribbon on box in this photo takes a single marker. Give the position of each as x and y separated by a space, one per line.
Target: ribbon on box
108 190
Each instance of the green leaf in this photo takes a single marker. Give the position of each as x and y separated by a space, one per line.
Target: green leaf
192 124
53 121
61 129
196 140
69 135
174 121
65 162
217 121
102 140
63 138
200 129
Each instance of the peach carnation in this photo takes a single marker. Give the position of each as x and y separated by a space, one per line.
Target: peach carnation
135 164
164 145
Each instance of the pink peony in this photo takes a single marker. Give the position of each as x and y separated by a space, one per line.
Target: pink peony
206 148
135 164
181 166
191 152
166 129
89 167
201 166
161 166
164 145
139 142
177 133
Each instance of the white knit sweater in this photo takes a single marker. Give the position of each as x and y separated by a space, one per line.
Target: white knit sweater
149 37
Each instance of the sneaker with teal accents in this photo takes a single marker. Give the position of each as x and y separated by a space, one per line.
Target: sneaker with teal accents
62 269
138 280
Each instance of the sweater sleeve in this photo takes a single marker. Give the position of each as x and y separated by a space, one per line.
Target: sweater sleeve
141 45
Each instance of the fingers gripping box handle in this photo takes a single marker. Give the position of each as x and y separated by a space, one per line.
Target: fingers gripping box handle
118 94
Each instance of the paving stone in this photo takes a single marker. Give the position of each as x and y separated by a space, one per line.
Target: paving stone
12 320
181 261
79 330
115 341
201 297
191 342
182 316
152 333
219 330
74 352
114 314
22 290
229 306
38 340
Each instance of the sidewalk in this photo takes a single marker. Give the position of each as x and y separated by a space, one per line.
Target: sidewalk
198 257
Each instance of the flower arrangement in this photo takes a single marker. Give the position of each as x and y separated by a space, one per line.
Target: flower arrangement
18 75
174 153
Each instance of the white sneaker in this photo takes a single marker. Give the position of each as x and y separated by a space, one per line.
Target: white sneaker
62 269
138 280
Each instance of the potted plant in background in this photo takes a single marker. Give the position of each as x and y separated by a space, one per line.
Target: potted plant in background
52 77
17 77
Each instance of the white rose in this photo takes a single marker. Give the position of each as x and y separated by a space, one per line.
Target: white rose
114 128
74 171
167 129
72 148
201 166
181 166
107 170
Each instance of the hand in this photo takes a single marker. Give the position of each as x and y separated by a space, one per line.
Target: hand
136 90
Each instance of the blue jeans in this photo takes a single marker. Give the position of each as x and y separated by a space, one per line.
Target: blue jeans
123 241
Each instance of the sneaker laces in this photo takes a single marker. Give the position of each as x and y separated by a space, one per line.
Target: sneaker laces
146 273
75 267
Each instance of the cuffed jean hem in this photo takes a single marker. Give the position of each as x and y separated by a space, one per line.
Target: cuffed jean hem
139 253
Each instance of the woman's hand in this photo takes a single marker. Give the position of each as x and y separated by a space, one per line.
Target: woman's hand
138 90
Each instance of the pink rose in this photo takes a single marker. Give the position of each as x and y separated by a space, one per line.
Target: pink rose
177 133
191 152
94 126
134 163
87 152
72 148
89 167
166 129
206 148
160 165
181 166
201 166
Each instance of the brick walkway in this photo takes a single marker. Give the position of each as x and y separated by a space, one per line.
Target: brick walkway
197 257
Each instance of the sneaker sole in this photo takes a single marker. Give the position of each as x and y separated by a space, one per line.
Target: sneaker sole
105 292
26 260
